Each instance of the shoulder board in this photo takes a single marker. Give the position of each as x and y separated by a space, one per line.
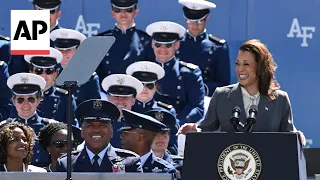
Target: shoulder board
176 157
60 90
104 33
142 32
162 104
1 63
72 153
49 121
126 153
4 38
163 162
189 65
6 121
94 73
216 39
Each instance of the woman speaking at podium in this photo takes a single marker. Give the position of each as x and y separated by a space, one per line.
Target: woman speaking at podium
255 91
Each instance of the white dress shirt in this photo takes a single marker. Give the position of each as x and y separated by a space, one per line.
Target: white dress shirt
249 100
101 154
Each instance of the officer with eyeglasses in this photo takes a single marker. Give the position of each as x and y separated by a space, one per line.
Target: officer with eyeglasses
182 86
67 41
122 90
149 73
17 63
210 53
26 96
98 155
131 45
55 100
5 95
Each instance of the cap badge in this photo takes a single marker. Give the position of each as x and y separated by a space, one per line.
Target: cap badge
193 7
97 104
145 68
163 28
24 79
64 35
159 116
120 80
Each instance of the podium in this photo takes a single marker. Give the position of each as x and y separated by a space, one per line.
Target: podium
242 156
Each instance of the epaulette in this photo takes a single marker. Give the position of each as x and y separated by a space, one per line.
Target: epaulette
1 63
216 39
144 33
164 105
189 65
94 73
4 38
125 153
49 121
9 120
104 33
163 162
176 157
60 90
72 153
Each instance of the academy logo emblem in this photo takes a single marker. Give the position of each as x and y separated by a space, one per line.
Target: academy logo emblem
239 162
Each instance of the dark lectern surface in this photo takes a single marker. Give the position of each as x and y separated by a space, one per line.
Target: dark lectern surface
239 156
313 160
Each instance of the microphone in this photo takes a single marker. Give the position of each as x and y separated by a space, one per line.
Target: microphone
251 120
234 120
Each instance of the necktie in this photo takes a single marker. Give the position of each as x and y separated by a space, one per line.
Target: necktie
95 163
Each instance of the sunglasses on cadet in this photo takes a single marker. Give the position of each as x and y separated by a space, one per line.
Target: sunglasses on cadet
29 99
149 85
159 45
61 144
117 10
39 71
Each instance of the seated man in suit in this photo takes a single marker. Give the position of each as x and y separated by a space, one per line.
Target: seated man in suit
138 134
98 155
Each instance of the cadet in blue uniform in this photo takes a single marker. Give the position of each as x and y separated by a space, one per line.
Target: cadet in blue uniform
182 86
122 90
98 155
149 73
131 45
199 47
5 49
55 100
67 41
138 133
26 89
17 61
5 95
161 143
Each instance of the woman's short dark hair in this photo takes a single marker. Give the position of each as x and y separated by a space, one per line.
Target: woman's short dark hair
265 64
46 133
6 137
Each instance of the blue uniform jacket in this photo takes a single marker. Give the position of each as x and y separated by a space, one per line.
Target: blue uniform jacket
81 162
211 54
182 86
5 54
141 107
157 165
6 94
130 46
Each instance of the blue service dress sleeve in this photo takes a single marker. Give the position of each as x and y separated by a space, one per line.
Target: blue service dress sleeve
194 109
5 95
5 54
221 69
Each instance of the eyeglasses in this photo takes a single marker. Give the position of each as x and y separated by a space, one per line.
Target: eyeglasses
117 10
169 45
52 11
20 100
149 85
61 144
39 71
